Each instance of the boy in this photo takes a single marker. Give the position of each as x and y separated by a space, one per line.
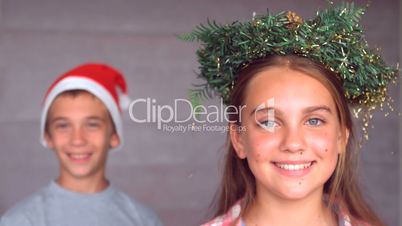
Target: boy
81 121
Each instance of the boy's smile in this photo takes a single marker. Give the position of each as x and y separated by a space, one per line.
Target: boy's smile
79 157
81 132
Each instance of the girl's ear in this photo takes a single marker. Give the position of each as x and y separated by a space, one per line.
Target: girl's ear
237 140
344 138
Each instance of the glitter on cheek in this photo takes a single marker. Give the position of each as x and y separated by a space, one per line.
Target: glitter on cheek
257 155
261 150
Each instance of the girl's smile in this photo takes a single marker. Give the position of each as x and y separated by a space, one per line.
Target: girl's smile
293 168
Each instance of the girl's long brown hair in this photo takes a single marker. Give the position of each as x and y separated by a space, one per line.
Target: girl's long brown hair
342 188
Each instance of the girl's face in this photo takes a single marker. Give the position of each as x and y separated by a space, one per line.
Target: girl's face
292 134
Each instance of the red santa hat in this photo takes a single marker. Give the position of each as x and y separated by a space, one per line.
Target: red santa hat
101 80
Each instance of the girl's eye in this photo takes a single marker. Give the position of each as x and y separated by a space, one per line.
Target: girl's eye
268 124
314 122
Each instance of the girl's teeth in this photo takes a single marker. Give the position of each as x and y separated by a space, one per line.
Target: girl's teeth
293 166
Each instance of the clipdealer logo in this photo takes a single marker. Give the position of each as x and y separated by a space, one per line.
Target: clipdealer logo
267 120
162 114
198 118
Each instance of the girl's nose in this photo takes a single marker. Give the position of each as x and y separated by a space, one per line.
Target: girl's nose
293 140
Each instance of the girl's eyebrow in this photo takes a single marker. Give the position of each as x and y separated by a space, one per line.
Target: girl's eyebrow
305 110
317 108
266 109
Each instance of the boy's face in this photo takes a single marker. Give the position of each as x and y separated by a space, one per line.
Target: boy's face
81 132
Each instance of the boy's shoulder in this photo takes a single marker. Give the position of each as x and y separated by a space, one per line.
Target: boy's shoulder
47 203
131 204
26 209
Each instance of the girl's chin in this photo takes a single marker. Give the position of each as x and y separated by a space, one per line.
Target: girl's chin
294 190
298 192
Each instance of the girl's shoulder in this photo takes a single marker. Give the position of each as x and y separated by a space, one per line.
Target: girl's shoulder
233 218
345 220
230 218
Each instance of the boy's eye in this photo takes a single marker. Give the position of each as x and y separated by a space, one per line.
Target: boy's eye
314 122
93 124
61 125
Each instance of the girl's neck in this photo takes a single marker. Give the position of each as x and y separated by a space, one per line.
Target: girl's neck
269 209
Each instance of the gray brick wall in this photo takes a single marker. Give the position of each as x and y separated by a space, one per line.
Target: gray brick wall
175 174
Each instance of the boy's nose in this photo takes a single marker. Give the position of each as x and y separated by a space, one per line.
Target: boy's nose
78 137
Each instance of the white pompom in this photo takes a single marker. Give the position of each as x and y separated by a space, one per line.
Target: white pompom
125 102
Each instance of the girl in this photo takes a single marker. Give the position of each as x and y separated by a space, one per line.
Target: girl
291 157
293 162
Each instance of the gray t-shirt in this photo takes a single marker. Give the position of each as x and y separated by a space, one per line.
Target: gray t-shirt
56 206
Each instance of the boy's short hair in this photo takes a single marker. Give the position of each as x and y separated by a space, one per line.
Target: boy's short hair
75 93
100 80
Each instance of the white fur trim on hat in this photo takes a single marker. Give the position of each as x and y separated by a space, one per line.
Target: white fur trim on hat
125 101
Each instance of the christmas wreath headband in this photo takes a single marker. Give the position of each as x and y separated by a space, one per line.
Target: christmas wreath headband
333 38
